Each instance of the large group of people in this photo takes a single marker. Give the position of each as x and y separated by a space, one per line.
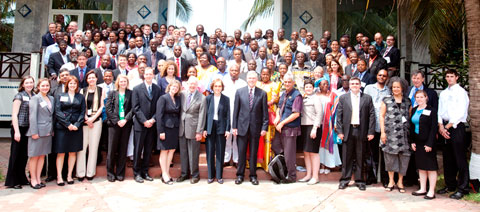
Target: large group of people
146 89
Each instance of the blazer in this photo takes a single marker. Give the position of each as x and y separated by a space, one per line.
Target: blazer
47 40
320 59
223 122
184 64
69 112
192 117
144 107
367 79
99 74
249 56
225 54
279 58
146 43
378 64
244 117
166 115
41 117
431 94
428 127
112 107
75 72
394 55
55 62
117 72
92 63
205 39
159 57
344 116
349 70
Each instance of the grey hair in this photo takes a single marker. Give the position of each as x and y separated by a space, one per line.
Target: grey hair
249 73
403 83
288 75
416 72
192 79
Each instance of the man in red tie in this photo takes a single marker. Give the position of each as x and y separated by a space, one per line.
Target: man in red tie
96 62
201 37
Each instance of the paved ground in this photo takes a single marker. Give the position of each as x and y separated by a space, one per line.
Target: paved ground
101 195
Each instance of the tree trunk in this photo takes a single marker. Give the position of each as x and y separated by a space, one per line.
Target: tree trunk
472 11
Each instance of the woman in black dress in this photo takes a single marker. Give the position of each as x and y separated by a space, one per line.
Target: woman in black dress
70 114
423 130
168 121
18 149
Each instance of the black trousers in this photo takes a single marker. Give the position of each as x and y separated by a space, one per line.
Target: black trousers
249 139
353 151
18 159
373 152
215 149
143 141
117 150
455 160
287 145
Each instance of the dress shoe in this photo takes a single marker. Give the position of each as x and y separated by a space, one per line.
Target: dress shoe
70 182
194 180
457 195
181 179
89 178
111 179
415 193
239 180
235 165
288 181
37 186
148 178
312 182
428 198
138 179
361 186
303 180
443 191
220 181
80 179
342 186
43 185
226 164
120 178
49 179
169 182
15 187
61 184
254 180
210 181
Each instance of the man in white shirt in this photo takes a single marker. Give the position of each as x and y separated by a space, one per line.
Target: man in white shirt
55 47
452 116
77 44
232 84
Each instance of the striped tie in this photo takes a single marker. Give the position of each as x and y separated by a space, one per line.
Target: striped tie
251 98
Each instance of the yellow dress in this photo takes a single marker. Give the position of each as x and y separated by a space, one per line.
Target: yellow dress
273 92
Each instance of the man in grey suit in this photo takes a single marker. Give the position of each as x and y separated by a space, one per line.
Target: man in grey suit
192 123
351 69
355 125
250 121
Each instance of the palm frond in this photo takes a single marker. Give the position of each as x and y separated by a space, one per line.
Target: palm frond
260 8
184 10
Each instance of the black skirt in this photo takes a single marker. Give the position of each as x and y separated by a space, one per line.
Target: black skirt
309 144
171 139
68 141
425 160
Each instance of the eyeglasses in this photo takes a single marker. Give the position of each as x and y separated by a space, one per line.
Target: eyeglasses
229 41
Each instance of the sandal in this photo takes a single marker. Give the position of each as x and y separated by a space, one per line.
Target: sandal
401 189
390 188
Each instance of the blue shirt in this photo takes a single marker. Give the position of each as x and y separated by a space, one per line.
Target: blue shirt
416 120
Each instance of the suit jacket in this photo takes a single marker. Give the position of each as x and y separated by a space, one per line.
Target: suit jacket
112 107
99 74
428 127
167 115
92 63
55 62
349 70
223 122
213 60
225 54
69 112
192 118
146 43
394 55
244 117
117 72
82 83
205 39
344 116
432 96
144 107
378 64
184 66
366 80
279 58
41 117
47 40
249 56
159 57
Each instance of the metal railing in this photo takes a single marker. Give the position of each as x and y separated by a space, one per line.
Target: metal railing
15 65
435 74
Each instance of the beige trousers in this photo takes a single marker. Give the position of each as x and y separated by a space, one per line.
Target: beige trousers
91 139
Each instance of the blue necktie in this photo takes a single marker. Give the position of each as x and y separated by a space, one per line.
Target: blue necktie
150 91
413 97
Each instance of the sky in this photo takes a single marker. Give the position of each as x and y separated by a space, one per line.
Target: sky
210 13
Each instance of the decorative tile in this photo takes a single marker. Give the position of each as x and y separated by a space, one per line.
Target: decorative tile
285 18
306 17
144 11
164 13
24 10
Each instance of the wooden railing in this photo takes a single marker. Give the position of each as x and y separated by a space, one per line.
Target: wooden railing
17 65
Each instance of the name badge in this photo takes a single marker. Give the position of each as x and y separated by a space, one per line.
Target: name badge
363 84
387 59
26 98
89 112
43 104
122 114
426 112
64 99
404 119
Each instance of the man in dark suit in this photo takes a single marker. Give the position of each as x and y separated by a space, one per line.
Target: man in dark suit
363 52
315 59
180 61
418 78
81 71
153 56
49 37
105 64
96 62
250 121
252 53
147 36
375 62
350 69
355 125
227 52
57 59
121 68
363 74
201 36
144 104
392 55
275 55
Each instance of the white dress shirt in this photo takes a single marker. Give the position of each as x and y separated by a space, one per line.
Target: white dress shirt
453 105
355 108
216 101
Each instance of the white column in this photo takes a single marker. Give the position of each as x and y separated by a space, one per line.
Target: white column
34 65
172 12
277 14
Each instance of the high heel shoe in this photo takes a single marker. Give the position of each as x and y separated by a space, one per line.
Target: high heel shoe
389 188
37 186
169 182
61 184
